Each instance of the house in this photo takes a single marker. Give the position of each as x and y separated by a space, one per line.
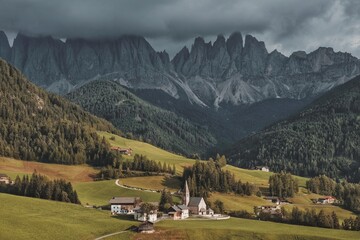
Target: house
262 168
273 211
124 151
326 200
146 227
178 212
142 216
4 179
124 205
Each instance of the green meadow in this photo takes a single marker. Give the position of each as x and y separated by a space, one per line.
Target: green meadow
30 218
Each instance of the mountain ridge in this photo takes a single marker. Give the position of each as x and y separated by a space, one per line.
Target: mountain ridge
231 70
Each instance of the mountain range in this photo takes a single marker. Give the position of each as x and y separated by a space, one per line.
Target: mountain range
202 101
233 70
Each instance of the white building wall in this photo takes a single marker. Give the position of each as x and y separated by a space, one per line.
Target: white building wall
185 214
116 209
202 204
142 217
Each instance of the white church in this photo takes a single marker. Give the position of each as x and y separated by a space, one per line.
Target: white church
191 205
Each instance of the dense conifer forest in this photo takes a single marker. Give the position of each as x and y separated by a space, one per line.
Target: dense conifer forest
139 166
323 139
39 186
38 126
143 121
206 177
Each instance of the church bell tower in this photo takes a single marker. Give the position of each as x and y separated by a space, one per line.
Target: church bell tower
186 194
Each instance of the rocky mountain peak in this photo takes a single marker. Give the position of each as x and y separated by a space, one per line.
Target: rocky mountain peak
219 42
254 56
5 50
275 63
180 58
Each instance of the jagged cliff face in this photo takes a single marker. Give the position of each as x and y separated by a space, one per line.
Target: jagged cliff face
227 71
230 71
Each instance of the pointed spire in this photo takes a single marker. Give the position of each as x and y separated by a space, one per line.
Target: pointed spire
186 187
186 194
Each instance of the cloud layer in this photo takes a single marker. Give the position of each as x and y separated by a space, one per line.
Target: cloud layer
287 25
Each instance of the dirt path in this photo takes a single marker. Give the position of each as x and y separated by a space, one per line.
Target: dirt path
117 182
109 235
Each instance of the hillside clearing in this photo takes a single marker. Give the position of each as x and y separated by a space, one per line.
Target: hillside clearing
72 173
100 192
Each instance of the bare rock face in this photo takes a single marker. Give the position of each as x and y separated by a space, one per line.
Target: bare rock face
5 50
248 74
226 71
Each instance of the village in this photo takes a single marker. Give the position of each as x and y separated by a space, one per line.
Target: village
147 212
195 208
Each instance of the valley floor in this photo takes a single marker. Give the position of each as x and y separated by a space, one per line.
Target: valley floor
43 219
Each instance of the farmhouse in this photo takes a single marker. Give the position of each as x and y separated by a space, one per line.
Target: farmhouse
4 179
326 200
262 168
273 211
124 205
142 216
124 151
178 212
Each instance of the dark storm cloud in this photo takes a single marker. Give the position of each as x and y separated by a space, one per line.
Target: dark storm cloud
282 24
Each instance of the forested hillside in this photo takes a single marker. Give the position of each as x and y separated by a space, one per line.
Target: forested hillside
322 139
35 125
165 129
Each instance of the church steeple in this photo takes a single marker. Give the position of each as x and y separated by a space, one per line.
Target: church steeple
186 194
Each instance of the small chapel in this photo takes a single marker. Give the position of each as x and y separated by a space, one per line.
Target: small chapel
196 205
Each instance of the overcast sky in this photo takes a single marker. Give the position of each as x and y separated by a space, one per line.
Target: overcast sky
286 25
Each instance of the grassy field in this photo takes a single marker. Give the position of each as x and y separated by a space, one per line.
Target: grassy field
234 202
302 200
154 153
78 173
235 228
100 192
30 218
153 182
43 219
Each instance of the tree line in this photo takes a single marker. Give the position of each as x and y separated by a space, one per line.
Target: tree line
206 177
347 193
125 168
39 186
302 217
283 185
